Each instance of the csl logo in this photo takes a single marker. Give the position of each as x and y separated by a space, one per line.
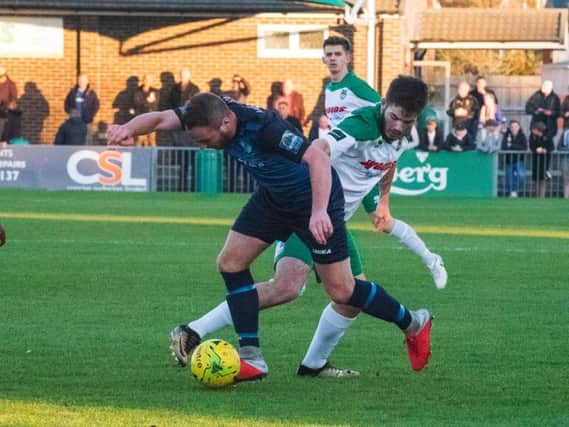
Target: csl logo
421 179
113 168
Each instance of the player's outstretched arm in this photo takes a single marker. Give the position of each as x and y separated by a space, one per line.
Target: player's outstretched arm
321 181
141 125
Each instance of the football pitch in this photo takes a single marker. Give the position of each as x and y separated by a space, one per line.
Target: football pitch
92 283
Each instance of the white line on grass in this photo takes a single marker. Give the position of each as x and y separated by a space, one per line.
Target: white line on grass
204 244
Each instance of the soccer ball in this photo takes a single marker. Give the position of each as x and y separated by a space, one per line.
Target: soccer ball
215 363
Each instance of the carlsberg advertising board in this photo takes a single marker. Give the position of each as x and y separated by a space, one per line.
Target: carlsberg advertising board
469 174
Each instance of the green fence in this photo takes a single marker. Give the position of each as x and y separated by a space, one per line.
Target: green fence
468 174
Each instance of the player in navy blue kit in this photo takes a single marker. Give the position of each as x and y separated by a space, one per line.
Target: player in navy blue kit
298 193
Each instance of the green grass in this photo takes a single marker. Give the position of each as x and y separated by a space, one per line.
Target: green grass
86 306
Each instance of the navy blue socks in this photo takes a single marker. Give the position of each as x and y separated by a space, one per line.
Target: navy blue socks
243 302
375 301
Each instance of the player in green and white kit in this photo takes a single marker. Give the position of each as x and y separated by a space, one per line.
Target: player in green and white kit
344 94
359 172
370 160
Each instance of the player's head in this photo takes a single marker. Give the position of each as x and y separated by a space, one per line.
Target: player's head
405 98
337 55
209 120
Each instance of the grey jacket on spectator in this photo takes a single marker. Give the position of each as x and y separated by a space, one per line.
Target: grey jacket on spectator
488 142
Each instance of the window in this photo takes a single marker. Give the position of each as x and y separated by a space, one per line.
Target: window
291 41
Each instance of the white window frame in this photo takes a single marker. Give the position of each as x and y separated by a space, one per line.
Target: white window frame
294 50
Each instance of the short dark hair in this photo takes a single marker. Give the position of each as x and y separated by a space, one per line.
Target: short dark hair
205 109
338 41
459 125
407 92
540 126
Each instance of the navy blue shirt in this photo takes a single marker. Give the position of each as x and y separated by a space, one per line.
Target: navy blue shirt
271 150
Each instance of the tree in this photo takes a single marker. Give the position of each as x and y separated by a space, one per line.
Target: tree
487 62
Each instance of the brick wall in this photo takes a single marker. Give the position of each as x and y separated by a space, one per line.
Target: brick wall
116 51
391 50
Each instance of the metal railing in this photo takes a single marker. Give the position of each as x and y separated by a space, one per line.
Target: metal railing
519 174
175 171
527 174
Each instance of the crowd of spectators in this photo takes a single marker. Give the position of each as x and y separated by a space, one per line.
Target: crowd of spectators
478 123
476 118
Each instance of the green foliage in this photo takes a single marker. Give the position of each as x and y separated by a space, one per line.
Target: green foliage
488 62
86 307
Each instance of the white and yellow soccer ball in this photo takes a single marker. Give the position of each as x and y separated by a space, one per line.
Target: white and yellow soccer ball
215 363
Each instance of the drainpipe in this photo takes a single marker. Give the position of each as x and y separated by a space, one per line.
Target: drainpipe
371 43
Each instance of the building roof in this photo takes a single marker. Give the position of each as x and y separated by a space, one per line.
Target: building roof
481 28
184 6
170 6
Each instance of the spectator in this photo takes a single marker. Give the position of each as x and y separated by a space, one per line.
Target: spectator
545 106
319 129
425 115
479 92
276 93
8 97
459 139
463 108
565 112
283 109
295 101
412 140
514 142
215 86
563 146
431 138
489 138
183 90
563 149
73 131
490 111
10 115
240 88
13 126
84 99
541 145
146 99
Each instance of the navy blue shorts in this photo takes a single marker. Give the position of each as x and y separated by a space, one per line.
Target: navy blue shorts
268 218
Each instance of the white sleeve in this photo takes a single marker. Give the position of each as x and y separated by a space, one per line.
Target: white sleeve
339 142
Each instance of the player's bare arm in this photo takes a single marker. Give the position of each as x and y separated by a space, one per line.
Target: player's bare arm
382 217
321 181
323 145
142 125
